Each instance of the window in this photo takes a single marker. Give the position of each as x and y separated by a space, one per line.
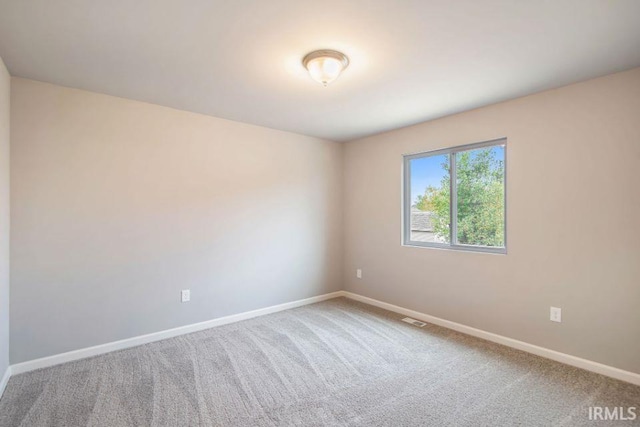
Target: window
455 198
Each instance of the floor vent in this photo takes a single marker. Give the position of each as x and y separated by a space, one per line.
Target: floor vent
414 322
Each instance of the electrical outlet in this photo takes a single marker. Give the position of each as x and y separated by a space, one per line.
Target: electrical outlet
359 273
556 314
186 295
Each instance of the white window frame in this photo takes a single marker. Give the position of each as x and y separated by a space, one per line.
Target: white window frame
453 213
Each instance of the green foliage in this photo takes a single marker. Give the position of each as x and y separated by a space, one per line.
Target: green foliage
480 199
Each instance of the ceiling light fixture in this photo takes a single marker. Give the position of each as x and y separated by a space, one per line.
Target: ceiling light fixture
325 65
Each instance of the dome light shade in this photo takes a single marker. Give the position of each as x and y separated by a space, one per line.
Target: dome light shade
325 66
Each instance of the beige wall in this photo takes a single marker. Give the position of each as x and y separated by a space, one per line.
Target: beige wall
573 222
5 95
117 205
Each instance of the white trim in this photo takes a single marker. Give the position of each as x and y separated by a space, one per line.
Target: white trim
5 380
599 368
578 362
83 353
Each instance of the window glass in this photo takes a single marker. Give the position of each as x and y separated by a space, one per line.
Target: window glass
430 205
480 196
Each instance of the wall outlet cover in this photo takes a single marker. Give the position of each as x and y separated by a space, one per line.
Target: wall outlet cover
185 295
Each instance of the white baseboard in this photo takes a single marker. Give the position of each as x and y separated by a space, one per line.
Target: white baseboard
83 353
578 362
599 368
5 380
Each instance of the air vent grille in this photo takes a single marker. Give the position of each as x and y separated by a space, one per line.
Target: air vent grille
414 322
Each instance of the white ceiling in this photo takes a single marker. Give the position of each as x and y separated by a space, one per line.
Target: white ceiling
240 59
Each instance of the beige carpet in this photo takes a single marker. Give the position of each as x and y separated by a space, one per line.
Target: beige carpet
336 363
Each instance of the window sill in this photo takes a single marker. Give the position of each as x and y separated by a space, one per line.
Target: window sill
460 248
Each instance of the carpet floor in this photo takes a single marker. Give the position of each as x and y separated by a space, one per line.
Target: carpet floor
335 363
